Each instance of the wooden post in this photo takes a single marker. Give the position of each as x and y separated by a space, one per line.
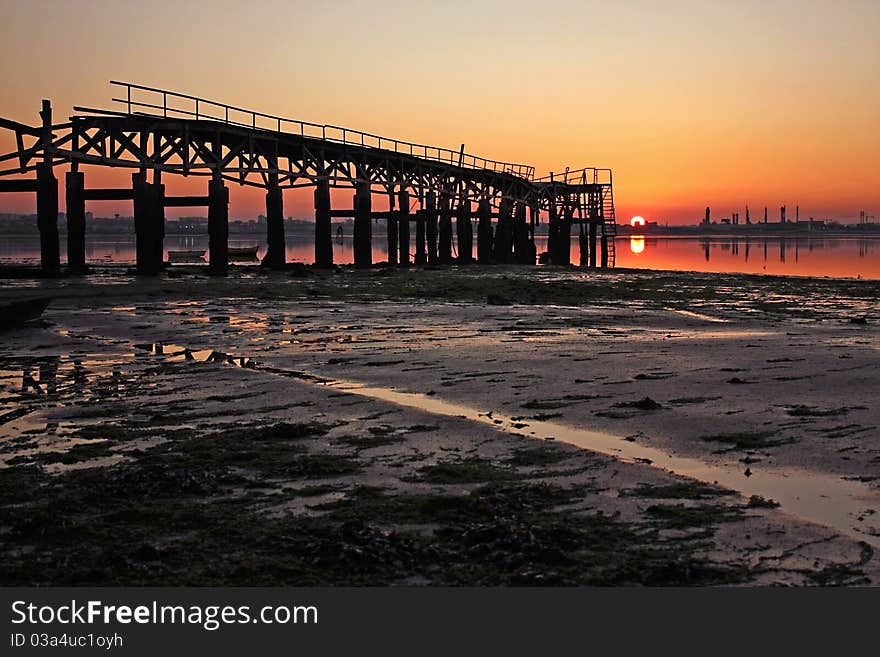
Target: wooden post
403 225
533 222
47 200
218 227
275 257
143 233
464 230
503 233
604 245
604 238
444 256
323 226
553 230
157 219
521 235
47 219
431 225
391 230
76 222
363 250
583 246
484 232
421 253
593 229
564 233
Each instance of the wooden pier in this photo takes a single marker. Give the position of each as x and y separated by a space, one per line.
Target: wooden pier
439 198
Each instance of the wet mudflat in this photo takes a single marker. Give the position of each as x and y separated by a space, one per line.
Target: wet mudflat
189 430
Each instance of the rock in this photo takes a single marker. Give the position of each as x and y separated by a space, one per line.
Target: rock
758 502
644 404
298 270
497 300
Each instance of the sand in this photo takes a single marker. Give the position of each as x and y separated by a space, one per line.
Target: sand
764 385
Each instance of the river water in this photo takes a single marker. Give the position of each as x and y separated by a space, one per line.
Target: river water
837 257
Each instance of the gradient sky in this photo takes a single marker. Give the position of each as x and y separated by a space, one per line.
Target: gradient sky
691 103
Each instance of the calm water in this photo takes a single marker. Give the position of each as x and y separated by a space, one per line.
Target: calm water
803 256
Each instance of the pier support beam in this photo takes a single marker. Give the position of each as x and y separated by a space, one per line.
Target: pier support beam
521 236
484 232
583 246
464 230
504 233
76 222
603 257
564 235
144 226
363 250
391 230
593 234
533 222
275 256
218 227
444 256
431 225
421 252
47 201
553 232
403 226
323 226
47 220
157 216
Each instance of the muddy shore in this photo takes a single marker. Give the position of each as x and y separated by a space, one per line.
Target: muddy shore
189 430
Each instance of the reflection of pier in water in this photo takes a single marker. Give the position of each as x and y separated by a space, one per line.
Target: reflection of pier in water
864 246
807 255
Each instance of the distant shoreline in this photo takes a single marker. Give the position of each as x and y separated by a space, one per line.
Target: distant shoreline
622 231
752 230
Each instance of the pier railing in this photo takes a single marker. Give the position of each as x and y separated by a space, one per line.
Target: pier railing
586 175
139 99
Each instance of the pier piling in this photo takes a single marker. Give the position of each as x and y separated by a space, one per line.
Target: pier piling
464 230
363 253
47 220
593 226
144 233
391 229
403 226
218 227
503 232
484 232
323 227
275 257
421 253
444 256
157 220
76 222
431 225
522 249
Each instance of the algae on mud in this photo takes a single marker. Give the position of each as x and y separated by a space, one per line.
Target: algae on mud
157 469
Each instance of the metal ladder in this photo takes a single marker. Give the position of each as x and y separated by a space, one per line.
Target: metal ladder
609 223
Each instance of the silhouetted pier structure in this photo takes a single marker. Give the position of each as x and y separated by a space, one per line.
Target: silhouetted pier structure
435 195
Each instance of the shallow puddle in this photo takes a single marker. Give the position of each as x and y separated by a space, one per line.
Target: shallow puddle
846 505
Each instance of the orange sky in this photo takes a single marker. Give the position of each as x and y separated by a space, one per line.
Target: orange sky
691 103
